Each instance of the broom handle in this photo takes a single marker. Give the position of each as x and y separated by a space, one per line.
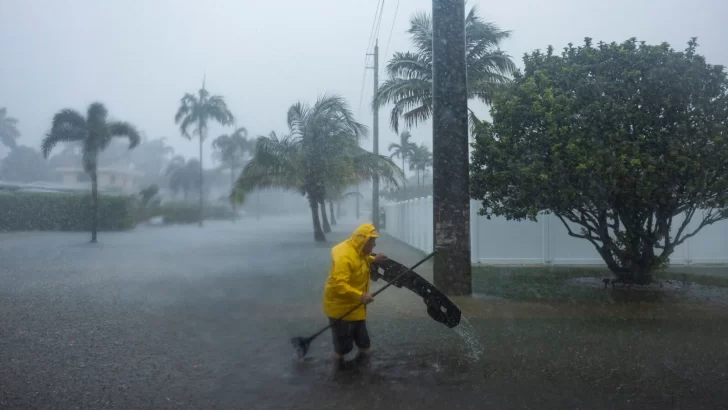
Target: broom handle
376 293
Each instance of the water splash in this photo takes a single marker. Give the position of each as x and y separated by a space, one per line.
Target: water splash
470 336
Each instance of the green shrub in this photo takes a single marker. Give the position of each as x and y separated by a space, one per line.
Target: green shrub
62 212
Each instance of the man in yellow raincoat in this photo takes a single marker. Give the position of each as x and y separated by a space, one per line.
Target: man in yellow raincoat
346 287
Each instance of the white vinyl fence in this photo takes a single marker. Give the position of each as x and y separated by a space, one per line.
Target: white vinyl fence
499 241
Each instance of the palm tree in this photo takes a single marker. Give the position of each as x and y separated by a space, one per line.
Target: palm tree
322 153
230 150
94 133
321 129
420 160
409 87
8 129
404 149
197 111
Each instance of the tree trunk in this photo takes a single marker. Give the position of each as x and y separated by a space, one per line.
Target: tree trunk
327 227
232 186
94 204
338 209
451 197
201 176
318 234
331 211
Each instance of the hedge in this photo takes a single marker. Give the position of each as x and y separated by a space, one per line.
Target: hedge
63 212
182 213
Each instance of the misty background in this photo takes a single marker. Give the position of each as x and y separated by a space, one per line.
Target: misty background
139 57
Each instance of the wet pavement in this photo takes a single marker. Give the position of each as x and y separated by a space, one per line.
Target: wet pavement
183 317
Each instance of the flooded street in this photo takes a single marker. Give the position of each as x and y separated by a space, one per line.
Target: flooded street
182 317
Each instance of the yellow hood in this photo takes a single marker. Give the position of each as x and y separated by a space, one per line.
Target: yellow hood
361 235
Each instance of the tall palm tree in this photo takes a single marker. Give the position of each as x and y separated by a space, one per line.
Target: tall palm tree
197 111
230 150
404 149
8 129
409 86
94 133
420 160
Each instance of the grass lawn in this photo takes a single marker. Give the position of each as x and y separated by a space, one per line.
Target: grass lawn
582 284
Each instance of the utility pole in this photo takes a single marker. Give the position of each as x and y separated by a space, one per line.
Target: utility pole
450 175
375 132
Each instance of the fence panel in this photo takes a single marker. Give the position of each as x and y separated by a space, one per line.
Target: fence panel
499 241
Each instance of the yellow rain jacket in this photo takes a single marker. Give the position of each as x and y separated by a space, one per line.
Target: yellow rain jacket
349 275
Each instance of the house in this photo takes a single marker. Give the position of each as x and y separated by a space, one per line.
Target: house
113 179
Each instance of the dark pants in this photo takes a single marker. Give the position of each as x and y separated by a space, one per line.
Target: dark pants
347 333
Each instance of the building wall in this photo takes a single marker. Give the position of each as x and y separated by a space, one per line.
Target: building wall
499 241
106 180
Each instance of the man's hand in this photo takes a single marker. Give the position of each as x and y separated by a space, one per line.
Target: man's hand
379 257
366 298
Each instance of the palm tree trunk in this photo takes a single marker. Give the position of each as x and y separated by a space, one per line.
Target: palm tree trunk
327 227
331 211
338 209
94 204
450 174
405 175
318 234
201 176
232 186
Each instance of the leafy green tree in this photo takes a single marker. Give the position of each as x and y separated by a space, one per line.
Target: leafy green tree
409 86
8 129
94 132
184 175
404 149
230 150
620 140
197 111
24 164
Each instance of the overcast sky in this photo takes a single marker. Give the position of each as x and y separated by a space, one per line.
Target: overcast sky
140 56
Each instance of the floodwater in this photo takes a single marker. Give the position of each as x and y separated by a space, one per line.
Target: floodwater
183 317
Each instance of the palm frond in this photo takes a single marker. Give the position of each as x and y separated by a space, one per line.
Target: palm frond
410 65
96 115
217 109
296 117
67 126
186 123
421 31
127 130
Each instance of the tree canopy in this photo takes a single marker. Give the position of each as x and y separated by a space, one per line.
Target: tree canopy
409 86
8 129
617 139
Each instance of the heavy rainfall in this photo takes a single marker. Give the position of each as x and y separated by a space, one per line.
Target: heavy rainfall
363 204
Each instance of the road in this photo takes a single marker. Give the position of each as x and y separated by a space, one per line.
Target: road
200 318
183 317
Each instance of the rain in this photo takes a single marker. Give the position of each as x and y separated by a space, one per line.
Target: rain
181 183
